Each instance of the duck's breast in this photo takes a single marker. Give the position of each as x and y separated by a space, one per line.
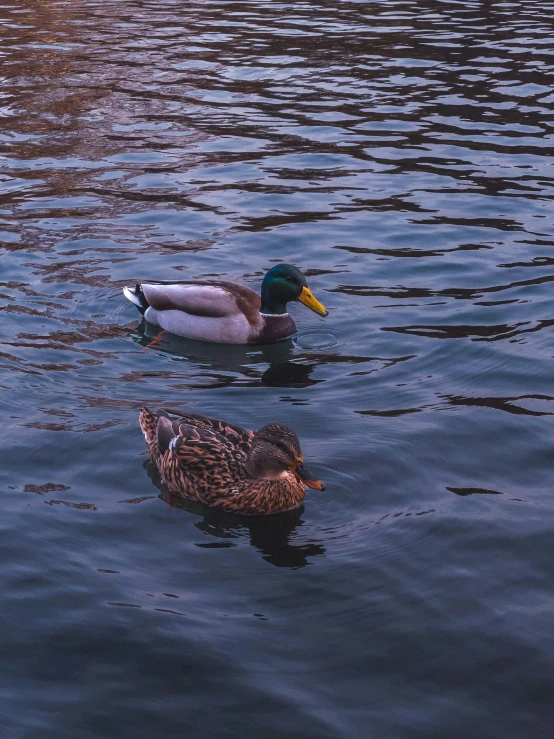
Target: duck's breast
275 328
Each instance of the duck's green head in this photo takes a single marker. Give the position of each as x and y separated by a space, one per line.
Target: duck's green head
284 283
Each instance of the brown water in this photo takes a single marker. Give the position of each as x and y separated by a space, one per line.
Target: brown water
400 153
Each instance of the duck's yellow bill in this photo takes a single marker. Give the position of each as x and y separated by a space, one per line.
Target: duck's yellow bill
307 298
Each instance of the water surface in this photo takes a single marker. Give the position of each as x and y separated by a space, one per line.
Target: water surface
400 153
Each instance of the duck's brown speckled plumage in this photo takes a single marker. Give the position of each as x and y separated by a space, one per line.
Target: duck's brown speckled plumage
204 459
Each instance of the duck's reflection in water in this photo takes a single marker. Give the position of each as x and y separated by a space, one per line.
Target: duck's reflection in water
269 535
221 365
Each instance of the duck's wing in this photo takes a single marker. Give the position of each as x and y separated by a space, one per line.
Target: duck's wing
201 451
217 299
237 437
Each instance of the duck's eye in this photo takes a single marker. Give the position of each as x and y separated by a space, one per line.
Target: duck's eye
289 278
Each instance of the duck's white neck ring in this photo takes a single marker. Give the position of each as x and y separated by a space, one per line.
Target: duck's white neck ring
274 315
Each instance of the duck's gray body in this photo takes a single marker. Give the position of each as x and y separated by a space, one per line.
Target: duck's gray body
218 311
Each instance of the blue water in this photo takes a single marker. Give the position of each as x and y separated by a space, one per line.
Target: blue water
400 154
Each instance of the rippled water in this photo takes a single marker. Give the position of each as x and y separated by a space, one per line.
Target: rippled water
400 153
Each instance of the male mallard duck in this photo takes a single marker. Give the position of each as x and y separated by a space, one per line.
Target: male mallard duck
225 466
226 311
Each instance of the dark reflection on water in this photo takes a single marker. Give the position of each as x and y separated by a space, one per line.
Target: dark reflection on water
400 153
278 365
270 535
509 404
473 491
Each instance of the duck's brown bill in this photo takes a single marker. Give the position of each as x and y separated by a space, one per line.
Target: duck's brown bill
306 476
307 298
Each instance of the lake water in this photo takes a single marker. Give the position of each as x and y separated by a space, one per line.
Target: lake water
400 153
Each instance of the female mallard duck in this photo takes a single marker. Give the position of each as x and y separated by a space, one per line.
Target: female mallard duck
228 467
226 311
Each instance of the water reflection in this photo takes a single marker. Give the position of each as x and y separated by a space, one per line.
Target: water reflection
272 536
517 405
464 492
221 365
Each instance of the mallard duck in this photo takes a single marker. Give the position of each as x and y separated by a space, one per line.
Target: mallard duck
225 466
226 311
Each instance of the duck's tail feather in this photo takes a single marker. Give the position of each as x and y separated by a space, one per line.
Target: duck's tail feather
149 424
136 297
